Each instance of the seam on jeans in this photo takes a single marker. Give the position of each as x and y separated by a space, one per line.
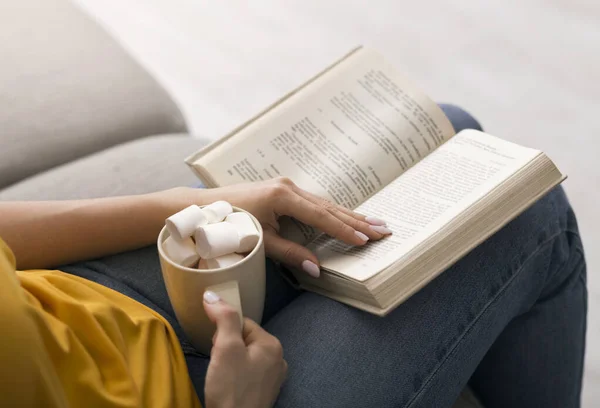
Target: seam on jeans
574 232
563 267
481 313
584 328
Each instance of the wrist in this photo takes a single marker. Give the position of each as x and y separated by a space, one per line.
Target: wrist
176 199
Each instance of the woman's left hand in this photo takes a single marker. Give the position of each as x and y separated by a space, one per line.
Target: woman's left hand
271 199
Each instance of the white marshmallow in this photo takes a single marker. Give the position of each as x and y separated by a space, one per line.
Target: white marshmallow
181 252
222 261
215 240
217 211
183 224
247 230
202 264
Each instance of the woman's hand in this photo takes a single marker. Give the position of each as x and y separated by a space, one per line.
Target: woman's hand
271 199
63 232
246 367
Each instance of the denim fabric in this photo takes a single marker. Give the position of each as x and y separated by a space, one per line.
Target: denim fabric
509 318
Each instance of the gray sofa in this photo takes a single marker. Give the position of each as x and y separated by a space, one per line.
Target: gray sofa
80 118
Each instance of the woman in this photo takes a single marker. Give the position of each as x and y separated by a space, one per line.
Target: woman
509 318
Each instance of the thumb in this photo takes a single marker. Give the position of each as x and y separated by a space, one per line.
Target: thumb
225 317
291 254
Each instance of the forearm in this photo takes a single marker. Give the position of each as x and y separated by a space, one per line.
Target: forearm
50 233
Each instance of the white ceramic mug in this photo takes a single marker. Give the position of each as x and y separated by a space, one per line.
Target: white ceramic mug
186 287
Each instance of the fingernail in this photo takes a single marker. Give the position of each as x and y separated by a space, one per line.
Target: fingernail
375 221
211 297
380 229
361 236
311 268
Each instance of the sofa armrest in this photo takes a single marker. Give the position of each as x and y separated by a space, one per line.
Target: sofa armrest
67 89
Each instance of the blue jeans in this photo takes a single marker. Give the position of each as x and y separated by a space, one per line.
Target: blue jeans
509 319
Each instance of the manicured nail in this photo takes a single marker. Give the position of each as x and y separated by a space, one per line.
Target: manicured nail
361 236
375 221
380 229
311 268
211 297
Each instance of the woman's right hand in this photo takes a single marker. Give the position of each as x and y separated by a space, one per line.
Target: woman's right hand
246 367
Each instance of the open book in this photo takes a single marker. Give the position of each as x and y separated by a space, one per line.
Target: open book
361 135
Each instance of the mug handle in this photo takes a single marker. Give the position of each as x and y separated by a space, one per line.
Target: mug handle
230 293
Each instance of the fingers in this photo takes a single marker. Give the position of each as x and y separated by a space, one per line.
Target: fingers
291 254
285 369
260 339
372 227
316 199
257 337
340 222
225 317
357 224
332 219
319 217
374 232
252 331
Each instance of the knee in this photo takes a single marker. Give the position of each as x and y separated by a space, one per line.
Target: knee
460 118
551 219
545 237
566 258
556 205
552 211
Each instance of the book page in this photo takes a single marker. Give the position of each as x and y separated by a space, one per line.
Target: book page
345 136
426 198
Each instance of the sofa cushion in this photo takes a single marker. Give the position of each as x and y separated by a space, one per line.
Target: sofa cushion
67 89
141 166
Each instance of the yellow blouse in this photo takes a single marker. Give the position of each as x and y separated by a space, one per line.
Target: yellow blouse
69 342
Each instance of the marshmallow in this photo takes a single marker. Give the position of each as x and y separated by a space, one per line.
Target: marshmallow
218 239
247 231
183 224
217 211
181 252
222 261
202 264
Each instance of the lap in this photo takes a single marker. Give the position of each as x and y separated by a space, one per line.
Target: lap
339 353
341 356
423 353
